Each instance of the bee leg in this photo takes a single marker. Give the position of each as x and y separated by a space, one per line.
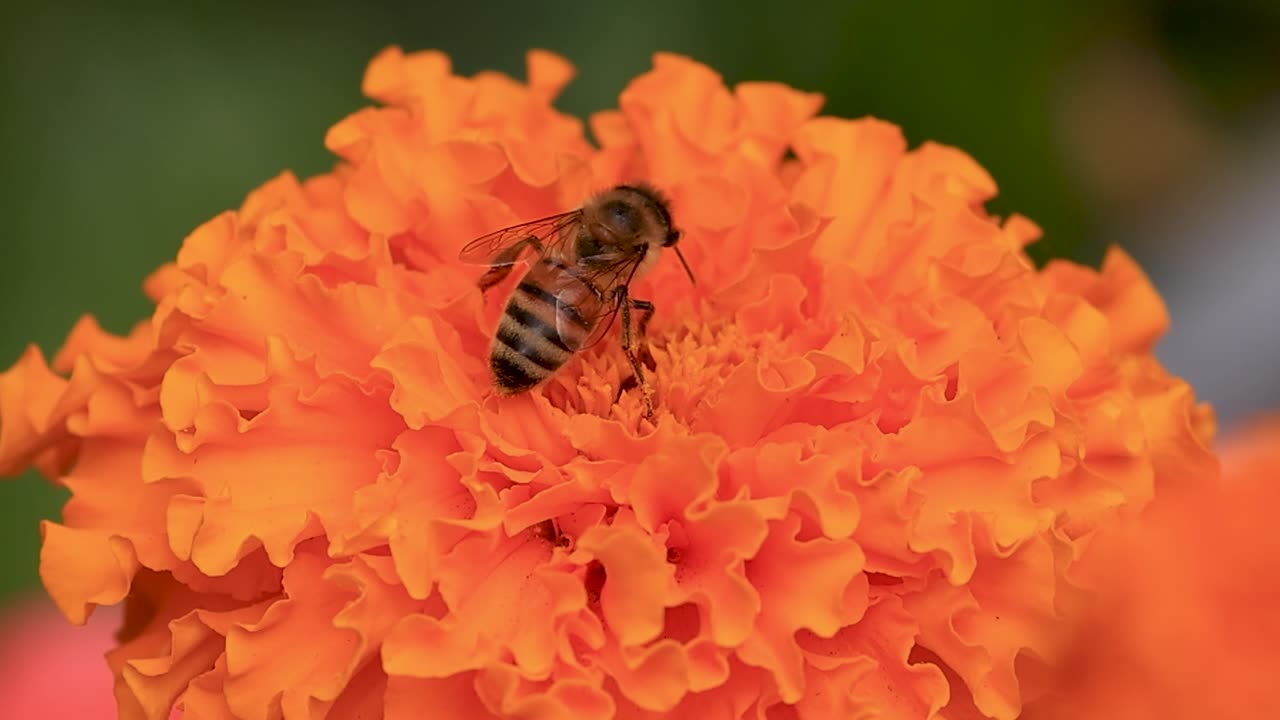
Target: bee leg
628 345
504 261
642 332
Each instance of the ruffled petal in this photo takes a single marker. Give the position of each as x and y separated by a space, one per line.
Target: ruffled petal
867 669
835 596
342 613
307 437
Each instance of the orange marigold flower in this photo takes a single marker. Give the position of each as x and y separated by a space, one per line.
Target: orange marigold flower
884 441
1186 625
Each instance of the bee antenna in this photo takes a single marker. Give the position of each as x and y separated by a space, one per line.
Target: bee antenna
687 271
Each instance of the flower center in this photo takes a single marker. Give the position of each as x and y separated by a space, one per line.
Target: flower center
692 360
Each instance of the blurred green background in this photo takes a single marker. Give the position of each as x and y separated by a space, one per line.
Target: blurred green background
125 128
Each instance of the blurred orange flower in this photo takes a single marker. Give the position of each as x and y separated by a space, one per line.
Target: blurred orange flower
884 440
1186 625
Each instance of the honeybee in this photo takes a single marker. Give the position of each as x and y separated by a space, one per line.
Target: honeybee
583 262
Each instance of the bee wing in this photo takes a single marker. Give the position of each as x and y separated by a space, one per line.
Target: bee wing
504 247
587 302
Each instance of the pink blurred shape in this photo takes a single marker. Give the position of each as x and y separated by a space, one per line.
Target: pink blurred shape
50 669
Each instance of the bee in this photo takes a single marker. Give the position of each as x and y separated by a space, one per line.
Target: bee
578 281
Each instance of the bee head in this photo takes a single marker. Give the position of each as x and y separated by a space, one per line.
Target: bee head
672 237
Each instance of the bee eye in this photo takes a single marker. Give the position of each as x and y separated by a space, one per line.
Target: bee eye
672 237
621 217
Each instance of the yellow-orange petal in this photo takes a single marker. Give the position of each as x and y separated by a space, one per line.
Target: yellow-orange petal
847 166
655 677
156 682
170 636
494 603
710 549
421 509
963 490
780 469
391 74
341 612
680 113
303 481
505 693
84 568
548 73
204 698
423 360
29 394
733 699
836 596
454 696
867 668
767 387
638 584
1122 292
772 114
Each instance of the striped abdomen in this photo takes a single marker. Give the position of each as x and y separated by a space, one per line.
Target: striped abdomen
537 333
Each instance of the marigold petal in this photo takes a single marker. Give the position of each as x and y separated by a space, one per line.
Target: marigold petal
715 203
774 113
206 252
730 700
197 646
451 697
379 189
1137 315
766 387
391 73
318 609
265 298
847 167
961 492
505 693
204 698
782 468
309 438
866 668
679 111
506 607
170 636
430 383
779 310
1177 451
84 568
836 595
711 551
659 492
423 508
29 397
548 72
423 647
654 677
979 632
634 568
